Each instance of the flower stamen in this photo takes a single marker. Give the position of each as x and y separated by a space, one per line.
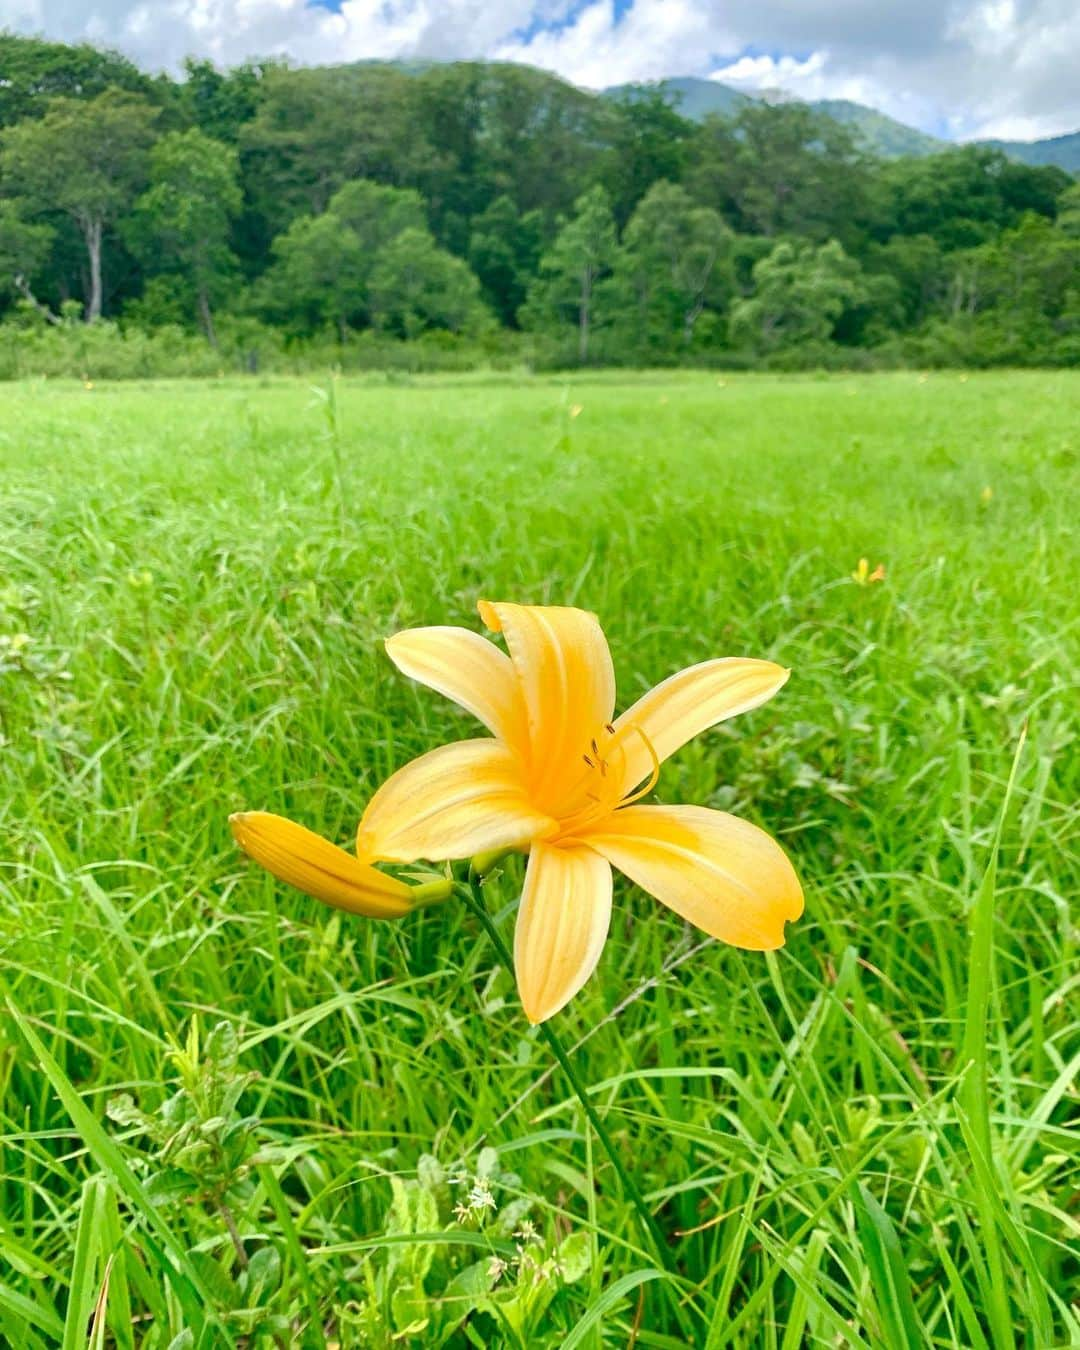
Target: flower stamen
603 802
654 771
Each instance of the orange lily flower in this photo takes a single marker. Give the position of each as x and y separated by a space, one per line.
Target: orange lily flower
561 777
862 576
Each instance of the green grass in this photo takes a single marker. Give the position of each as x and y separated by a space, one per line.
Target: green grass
862 1141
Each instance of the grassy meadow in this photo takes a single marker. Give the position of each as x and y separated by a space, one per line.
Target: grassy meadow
232 1117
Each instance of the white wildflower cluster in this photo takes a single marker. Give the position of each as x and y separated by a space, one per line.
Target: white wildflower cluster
533 1265
479 1199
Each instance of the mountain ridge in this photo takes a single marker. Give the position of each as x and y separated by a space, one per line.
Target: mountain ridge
876 131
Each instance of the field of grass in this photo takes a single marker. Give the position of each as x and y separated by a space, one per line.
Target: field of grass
232 1117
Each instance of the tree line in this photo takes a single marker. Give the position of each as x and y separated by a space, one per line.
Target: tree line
496 205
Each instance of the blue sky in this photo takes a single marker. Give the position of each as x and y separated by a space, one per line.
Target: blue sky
959 68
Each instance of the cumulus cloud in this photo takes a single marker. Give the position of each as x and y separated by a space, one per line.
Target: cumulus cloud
159 33
972 68
818 76
651 39
1022 72
959 67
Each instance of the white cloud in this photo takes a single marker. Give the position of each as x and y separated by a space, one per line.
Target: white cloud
1013 129
971 67
159 33
811 77
985 68
653 39
762 72
1022 67
817 76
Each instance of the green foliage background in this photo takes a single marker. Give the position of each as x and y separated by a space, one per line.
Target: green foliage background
284 213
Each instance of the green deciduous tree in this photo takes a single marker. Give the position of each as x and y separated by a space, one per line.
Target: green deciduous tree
649 142
917 264
500 129
416 286
33 72
181 223
319 276
582 254
221 102
962 197
1068 211
86 159
675 258
377 214
323 264
1017 295
800 293
317 129
782 170
504 252
24 247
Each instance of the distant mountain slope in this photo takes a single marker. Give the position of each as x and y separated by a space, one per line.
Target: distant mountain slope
1064 151
875 131
697 98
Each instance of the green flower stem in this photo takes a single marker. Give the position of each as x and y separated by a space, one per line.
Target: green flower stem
430 893
654 1237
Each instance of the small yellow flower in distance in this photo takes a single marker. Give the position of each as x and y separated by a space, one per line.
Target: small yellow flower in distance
576 410
318 868
862 576
986 496
560 778
88 384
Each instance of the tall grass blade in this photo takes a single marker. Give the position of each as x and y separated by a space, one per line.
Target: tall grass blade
888 1273
190 1290
974 1091
610 1298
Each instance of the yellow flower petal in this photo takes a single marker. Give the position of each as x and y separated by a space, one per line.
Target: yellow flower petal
469 669
561 926
723 874
318 868
688 703
452 802
562 661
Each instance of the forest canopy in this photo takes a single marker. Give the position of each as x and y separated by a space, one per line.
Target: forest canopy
496 207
